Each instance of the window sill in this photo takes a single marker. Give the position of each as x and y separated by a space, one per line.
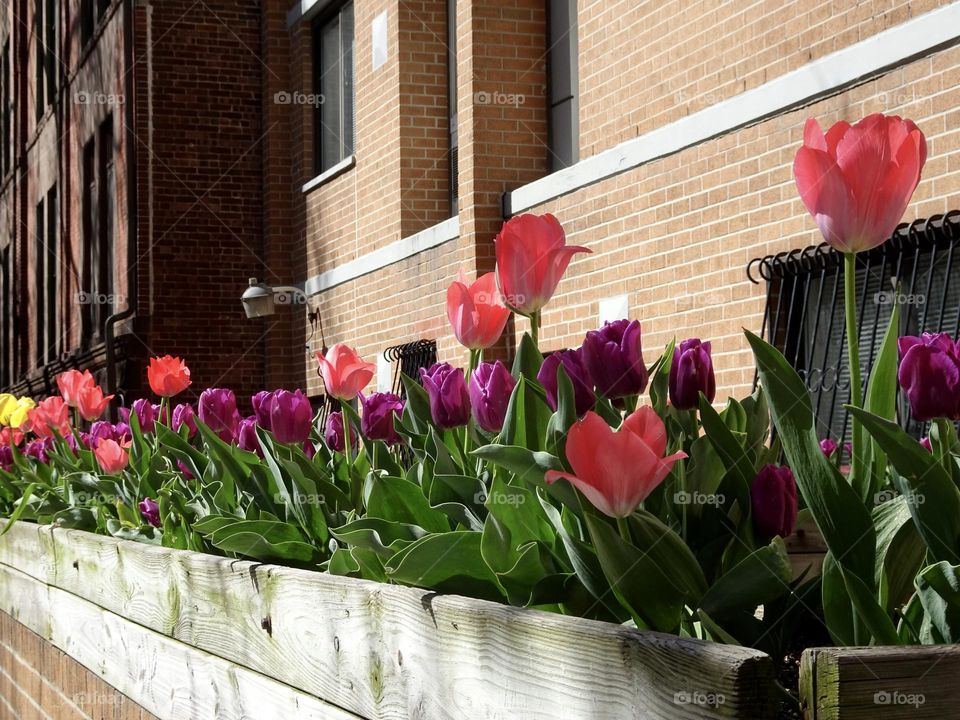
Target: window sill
329 174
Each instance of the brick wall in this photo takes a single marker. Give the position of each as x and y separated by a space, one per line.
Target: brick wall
39 682
207 201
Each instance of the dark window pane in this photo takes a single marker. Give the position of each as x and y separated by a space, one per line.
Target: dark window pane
333 80
346 67
52 277
562 82
40 273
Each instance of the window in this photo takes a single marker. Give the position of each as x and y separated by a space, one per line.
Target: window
562 77
333 81
46 279
452 105
91 13
6 112
98 206
804 316
45 66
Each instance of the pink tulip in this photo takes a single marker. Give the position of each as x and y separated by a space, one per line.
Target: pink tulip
344 372
532 256
111 455
71 383
49 416
616 471
857 180
476 312
92 402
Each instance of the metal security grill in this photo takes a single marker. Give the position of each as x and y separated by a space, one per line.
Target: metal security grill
804 315
408 359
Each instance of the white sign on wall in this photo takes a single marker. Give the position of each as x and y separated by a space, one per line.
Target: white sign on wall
614 308
380 43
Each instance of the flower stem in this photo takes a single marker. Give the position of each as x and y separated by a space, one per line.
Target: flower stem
943 449
535 328
347 450
624 529
853 354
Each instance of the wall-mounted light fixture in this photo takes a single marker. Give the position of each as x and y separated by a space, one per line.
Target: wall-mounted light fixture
260 300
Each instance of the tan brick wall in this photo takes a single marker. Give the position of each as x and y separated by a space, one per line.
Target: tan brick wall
39 682
677 234
644 64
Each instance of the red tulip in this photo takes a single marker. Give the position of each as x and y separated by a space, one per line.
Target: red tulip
111 455
857 180
92 402
49 416
344 372
71 383
476 311
616 471
532 256
168 376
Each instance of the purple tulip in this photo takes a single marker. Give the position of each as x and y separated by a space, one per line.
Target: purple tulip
828 447
490 387
247 435
122 432
183 414
77 446
380 411
184 469
37 449
147 414
449 400
691 374
218 410
576 370
614 359
291 415
774 499
261 408
6 458
333 433
101 430
309 449
150 511
929 374
925 444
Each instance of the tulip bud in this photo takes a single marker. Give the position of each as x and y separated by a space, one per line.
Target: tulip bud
774 499
147 414
247 435
380 411
491 385
183 414
572 361
828 447
6 458
449 399
333 433
218 410
614 359
261 408
691 374
291 416
929 374
925 444
150 511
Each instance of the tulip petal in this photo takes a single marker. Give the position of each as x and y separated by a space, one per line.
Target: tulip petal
824 191
647 425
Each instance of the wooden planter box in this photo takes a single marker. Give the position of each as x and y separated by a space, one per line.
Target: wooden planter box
188 635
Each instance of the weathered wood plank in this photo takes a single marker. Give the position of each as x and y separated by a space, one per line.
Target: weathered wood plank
916 682
391 653
170 679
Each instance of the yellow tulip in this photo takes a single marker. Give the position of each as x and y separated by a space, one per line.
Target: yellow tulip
20 412
8 404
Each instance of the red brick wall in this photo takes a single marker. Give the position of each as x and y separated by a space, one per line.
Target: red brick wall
207 202
39 682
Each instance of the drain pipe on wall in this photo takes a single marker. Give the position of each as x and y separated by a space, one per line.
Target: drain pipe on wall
131 168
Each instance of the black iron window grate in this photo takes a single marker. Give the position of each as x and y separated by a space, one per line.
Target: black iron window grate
408 359
919 267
